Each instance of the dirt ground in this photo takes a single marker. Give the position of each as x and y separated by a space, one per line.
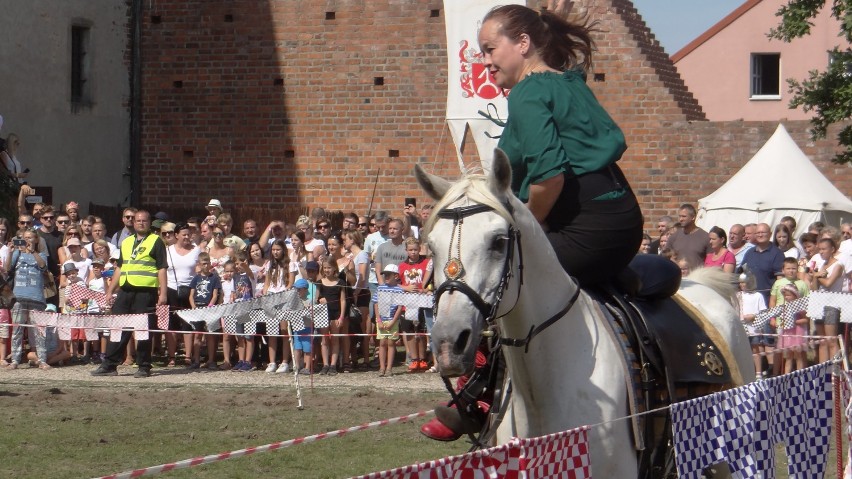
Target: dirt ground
70 424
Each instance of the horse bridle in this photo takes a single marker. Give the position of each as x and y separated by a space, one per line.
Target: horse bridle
454 270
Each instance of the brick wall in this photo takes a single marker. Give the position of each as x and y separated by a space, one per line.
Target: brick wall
293 104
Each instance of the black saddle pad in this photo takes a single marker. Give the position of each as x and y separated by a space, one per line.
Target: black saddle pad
688 353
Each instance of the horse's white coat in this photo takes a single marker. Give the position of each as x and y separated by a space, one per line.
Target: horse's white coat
571 375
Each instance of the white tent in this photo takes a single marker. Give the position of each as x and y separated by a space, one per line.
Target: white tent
778 181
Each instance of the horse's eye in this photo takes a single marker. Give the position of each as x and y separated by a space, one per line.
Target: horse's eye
499 244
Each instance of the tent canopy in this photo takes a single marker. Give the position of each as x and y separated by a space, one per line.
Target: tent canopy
778 181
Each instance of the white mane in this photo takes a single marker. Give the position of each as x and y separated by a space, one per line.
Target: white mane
476 188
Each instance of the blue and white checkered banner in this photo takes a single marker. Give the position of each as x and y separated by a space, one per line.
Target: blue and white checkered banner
411 301
742 426
270 304
813 304
299 319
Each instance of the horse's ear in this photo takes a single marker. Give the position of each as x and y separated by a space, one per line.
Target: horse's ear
501 172
434 186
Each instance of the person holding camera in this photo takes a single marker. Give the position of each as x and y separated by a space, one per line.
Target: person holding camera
26 262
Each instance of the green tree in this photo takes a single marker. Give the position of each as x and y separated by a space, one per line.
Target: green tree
828 94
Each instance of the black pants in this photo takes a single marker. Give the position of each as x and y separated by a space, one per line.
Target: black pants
595 239
133 302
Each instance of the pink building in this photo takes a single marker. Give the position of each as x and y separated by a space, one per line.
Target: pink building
736 72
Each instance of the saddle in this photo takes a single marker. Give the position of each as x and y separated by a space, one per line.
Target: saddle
672 336
671 351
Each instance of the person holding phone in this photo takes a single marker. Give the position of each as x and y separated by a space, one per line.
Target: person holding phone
411 218
27 263
10 160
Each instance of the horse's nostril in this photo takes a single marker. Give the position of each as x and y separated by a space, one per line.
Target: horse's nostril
461 342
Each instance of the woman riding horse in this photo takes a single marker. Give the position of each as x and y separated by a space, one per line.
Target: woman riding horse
562 146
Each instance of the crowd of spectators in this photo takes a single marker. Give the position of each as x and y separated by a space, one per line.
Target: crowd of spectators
773 267
340 265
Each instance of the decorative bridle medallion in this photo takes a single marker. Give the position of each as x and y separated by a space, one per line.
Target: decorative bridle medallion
709 360
454 269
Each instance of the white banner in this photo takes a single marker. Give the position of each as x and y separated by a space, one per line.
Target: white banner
470 88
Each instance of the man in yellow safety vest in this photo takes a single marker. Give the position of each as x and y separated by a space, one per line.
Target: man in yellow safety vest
140 277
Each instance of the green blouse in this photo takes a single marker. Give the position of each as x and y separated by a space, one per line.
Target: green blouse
556 125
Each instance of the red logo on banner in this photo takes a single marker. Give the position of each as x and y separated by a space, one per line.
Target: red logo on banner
476 80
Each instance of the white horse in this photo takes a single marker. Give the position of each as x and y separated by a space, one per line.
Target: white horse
571 374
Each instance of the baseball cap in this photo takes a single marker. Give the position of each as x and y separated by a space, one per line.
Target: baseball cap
68 267
73 242
157 224
115 254
312 266
301 283
391 268
97 261
214 203
161 215
50 308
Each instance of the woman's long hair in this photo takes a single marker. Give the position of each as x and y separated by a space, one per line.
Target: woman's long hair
278 268
563 45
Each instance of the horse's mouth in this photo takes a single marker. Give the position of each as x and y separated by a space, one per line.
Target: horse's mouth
453 363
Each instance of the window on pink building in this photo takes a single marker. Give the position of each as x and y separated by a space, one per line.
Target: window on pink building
765 76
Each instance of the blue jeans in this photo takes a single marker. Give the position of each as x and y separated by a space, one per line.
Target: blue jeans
21 315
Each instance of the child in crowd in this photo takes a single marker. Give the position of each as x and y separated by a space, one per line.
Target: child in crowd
99 283
312 269
243 290
303 338
228 270
751 303
204 288
387 325
792 339
790 270
414 273
78 335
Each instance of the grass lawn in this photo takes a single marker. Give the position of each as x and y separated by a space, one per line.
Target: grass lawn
85 431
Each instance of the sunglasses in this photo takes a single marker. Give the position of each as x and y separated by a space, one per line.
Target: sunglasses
48 218
167 233
373 224
219 235
322 227
63 222
25 222
362 224
70 234
128 217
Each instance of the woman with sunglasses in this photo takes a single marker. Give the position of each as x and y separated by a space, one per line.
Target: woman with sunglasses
72 231
312 244
218 251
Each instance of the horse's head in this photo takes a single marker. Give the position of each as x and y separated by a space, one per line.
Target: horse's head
471 234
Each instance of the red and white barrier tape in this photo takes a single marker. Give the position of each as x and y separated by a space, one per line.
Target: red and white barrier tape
197 461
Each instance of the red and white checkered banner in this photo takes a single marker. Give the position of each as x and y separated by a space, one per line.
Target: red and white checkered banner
411 301
270 304
77 294
561 455
91 323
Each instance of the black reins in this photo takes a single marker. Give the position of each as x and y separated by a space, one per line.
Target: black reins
489 310
455 282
